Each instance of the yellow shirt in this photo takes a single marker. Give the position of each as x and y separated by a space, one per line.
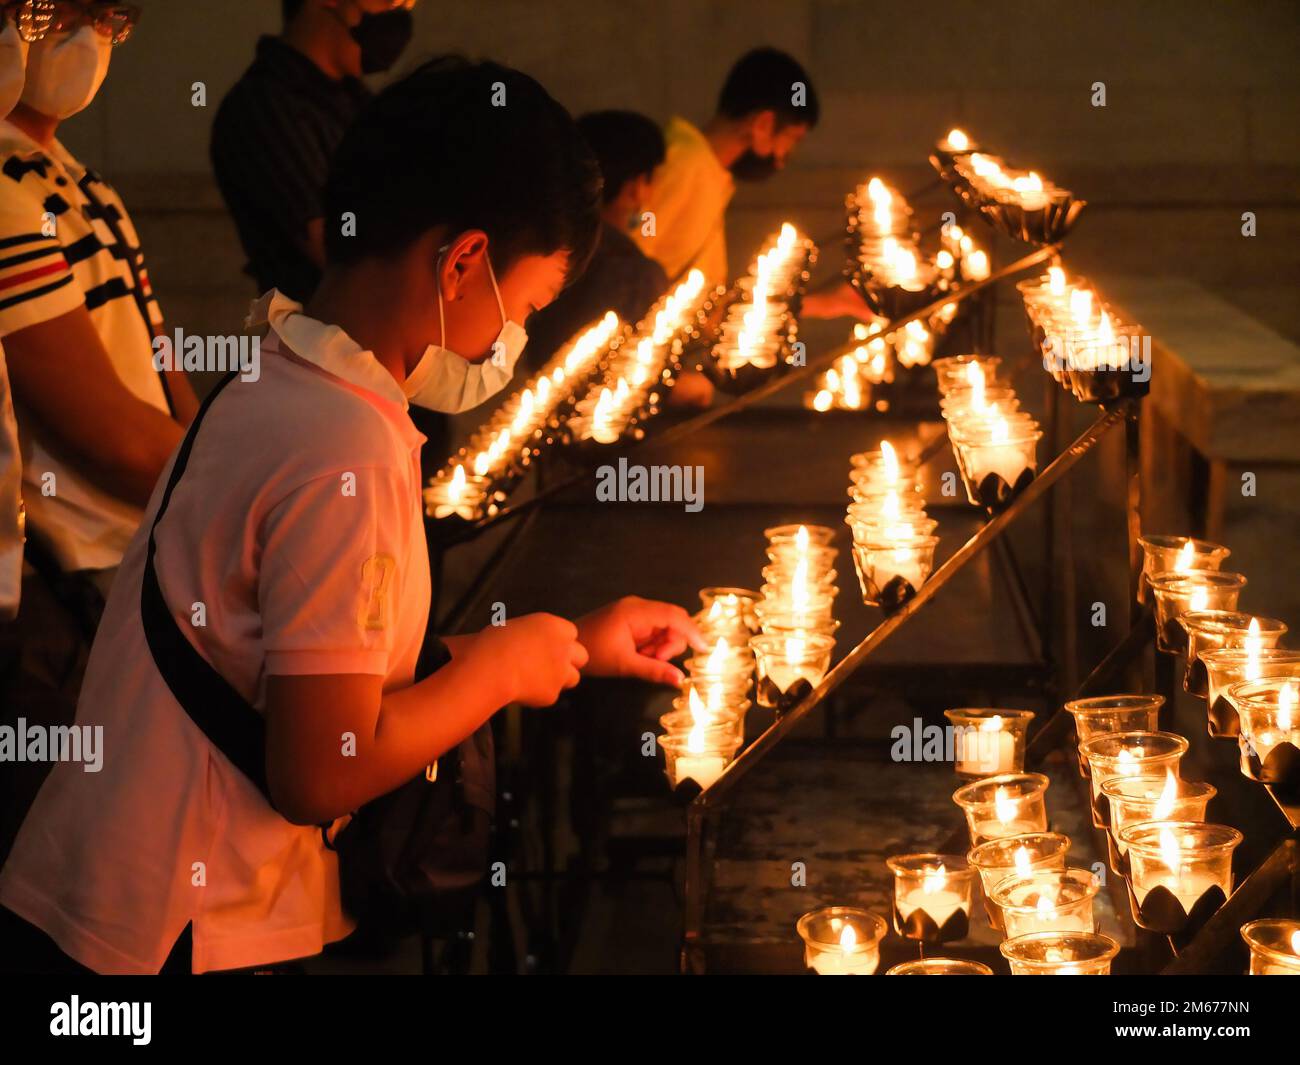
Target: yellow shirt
689 195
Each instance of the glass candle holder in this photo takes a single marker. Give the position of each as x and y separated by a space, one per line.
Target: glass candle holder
1015 855
814 559
988 741
698 757
732 602
815 534
1134 800
1274 947
892 572
878 530
1010 804
940 967
778 623
932 896
1105 714
724 663
1177 593
1180 872
1128 754
1047 900
1226 668
816 580
841 940
1060 954
457 496
1000 466
682 720
1167 554
790 666
953 372
1208 630
1269 740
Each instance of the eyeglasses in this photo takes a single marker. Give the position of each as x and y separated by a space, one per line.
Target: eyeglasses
112 20
32 18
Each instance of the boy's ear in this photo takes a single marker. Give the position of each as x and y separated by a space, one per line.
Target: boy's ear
462 254
762 128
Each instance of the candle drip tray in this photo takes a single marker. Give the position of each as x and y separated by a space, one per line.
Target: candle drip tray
890 598
1119 863
769 695
921 926
1280 767
1161 911
891 301
994 494
1223 722
1041 225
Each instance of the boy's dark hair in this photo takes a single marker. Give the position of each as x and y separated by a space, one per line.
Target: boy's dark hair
764 80
289 9
466 145
627 146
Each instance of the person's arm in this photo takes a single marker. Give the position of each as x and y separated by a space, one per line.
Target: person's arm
185 403
314 242
337 741
63 378
838 301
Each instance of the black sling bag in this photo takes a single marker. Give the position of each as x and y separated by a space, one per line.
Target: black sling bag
409 860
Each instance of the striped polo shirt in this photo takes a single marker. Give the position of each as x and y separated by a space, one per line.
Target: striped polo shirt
67 241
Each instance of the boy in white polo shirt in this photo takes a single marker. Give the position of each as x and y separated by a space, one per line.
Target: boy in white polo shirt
291 556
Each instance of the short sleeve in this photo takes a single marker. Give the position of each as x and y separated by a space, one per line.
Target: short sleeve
36 281
330 589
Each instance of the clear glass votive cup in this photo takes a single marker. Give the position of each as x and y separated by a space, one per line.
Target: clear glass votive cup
1176 866
842 940
1000 858
1010 804
789 666
698 756
1230 666
1274 946
1150 797
820 535
1128 754
892 572
1165 554
1269 740
1060 954
789 623
997 469
1103 714
781 575
940 967
1208 630
733 601
988 741
1177 593
932 896
952 373
1047 900
680 721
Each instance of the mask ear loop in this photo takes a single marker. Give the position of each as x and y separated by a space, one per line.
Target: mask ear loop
442 322
492 274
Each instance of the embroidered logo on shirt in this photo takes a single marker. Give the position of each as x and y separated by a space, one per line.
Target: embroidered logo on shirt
376 579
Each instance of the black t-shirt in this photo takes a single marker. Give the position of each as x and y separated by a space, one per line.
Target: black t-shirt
619 278
272 141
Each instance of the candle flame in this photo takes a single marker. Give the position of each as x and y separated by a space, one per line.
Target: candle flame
1004 806
1186 557
957 140
695 740
481 464
700 716
823 400
1023 860
934 880
1168 798
1200 598
1045 908
1286 700
717 660
1295 942
457 487
848 939
801 539
889 460
1170 853
1056 281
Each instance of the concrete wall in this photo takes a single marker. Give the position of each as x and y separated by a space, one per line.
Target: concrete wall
1202 119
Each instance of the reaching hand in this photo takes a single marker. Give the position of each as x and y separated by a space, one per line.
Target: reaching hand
633 637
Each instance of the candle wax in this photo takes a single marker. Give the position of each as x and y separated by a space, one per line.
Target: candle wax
940 905
704 769
986 753
1007 461
835 962
995 829
1187 889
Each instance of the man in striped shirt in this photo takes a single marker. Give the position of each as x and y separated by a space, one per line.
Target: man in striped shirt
96 421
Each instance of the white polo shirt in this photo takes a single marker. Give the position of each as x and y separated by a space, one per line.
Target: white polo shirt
11 502
296 484
66 241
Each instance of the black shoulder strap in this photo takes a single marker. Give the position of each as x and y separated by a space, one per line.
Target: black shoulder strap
221 713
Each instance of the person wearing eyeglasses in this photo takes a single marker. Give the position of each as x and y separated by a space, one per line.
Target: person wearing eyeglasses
96 421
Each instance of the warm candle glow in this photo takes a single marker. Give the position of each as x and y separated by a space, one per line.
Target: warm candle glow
848 939
1056 281
1023 861
933 881
1184 562
457 487
1004 806
957 140
700 715
717 661
1164 806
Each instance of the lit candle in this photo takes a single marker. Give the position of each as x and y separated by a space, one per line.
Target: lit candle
841 941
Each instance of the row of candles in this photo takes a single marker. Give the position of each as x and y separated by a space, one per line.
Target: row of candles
760 325
1178 866
778 640
1021 202
511 437
1086 346
994 442
893 537
639 372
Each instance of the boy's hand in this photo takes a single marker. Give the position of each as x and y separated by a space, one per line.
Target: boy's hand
633 637
841 301
534 657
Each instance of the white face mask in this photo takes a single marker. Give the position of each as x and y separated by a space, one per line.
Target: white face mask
13 67
443 381
65 71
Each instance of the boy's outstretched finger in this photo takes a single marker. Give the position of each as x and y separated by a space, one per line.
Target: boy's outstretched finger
654 671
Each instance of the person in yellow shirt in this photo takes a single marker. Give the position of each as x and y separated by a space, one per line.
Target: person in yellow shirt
766 107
